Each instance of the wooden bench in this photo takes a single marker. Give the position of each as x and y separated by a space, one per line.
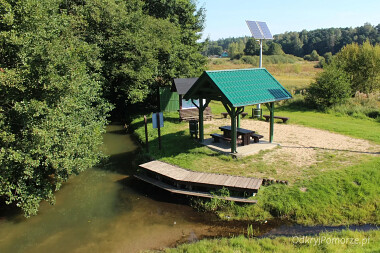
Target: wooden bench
224 114
256 137
284 119
217 138
193 114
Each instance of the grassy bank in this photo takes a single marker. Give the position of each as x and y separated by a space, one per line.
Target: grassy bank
345 241
347 191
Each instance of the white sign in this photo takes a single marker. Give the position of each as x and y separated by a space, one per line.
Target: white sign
154 119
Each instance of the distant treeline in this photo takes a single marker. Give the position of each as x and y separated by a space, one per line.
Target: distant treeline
304 42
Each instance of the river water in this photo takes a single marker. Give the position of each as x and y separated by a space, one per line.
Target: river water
105 209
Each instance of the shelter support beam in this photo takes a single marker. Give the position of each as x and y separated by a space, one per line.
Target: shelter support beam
234 114
201 109
233 130
238 112
270 107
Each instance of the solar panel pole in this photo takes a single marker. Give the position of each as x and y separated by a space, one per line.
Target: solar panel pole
261 54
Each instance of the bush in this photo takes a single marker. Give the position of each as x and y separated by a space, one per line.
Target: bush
254 60
331 87
360 106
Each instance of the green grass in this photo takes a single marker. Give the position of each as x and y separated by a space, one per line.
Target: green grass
343 197
324 242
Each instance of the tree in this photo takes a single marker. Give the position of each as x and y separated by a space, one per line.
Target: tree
362 64
275 49
331 87
252 47
144 44
52 115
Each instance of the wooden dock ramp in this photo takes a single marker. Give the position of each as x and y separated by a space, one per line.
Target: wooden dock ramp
181 181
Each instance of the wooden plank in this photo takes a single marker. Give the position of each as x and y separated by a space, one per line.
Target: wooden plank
233 181
186 176
198 177
252 184
207 178
242 183
192 193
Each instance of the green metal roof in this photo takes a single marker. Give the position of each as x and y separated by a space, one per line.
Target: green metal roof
240 87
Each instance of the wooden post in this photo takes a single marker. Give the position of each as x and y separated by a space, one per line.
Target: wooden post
238 120
146 133
159 130
201 129
233 130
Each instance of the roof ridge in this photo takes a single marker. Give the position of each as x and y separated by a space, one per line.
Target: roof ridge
225 70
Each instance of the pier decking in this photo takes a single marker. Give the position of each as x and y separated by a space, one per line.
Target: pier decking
178 180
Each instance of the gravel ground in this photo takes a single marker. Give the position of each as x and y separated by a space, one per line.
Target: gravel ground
302 144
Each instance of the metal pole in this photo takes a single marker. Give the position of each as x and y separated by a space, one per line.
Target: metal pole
260 63
271 122
261 54
201 128
159 130
146 134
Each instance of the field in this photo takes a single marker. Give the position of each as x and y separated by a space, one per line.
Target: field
330 161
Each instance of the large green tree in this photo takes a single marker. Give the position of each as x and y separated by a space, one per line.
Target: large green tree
52 115
144 44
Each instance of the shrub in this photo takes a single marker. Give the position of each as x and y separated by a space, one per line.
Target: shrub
331 87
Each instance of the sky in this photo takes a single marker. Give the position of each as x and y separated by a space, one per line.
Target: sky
226 19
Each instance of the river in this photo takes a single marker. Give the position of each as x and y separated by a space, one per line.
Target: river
106 210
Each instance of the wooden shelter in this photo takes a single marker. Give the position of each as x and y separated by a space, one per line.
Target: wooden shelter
237 89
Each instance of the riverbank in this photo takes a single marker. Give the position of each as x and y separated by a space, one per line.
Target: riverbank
344 241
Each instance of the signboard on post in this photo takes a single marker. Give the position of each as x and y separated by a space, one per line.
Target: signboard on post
157 119
158 122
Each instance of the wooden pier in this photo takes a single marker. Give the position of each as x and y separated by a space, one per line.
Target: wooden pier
181 181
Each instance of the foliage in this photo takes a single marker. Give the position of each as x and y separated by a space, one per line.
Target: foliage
214 204
236 50
361 106
252 47
144 44
314 56
275 49
362 64
51 113
270 59
331 87
322 40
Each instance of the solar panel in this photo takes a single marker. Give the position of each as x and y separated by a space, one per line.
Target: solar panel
255 29
265 30
259 30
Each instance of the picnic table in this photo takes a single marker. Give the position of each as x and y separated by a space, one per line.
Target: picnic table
244 133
